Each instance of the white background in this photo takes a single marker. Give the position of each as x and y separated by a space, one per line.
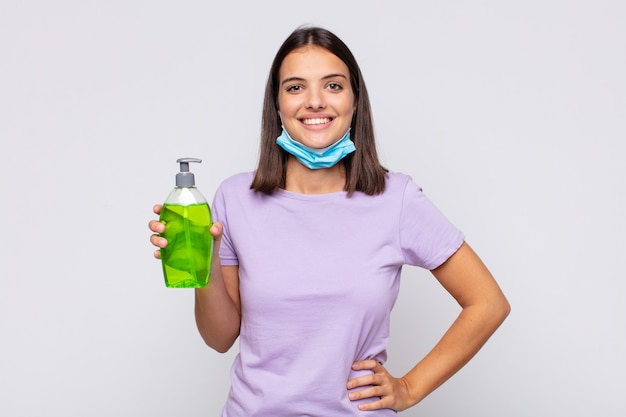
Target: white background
510 114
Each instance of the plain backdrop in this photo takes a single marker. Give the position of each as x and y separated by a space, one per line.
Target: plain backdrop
510 114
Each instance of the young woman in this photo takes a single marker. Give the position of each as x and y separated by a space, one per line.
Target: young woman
309 250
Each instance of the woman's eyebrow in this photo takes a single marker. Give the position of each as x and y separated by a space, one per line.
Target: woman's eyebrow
291 79
326 77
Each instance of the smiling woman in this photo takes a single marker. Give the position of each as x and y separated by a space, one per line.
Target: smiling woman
315 105
309 251
363 171
315 99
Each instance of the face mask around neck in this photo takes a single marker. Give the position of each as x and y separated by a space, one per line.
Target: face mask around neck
317 158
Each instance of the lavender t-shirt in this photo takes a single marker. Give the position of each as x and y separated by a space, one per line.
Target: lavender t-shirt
319 275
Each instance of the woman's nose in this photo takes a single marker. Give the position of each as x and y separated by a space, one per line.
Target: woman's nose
315 99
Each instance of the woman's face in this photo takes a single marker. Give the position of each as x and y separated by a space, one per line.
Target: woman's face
315 98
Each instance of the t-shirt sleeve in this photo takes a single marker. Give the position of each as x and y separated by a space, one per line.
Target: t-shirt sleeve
427 237
228 256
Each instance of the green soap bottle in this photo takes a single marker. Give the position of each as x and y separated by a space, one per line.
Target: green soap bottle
186 214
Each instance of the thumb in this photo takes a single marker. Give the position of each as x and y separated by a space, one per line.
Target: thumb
217 230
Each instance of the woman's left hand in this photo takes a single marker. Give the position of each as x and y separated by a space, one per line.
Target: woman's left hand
389 392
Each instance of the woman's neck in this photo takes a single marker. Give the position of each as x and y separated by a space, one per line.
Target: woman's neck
302 180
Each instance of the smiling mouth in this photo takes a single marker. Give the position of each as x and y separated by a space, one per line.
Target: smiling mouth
317 121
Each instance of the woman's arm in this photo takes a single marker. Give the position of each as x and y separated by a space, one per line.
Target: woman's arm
217 306
484 308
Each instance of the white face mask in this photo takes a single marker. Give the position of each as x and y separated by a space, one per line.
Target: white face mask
317 158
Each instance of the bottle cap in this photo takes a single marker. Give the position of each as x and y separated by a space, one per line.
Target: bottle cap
185 178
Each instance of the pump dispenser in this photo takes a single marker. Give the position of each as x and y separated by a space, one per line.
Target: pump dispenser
186 259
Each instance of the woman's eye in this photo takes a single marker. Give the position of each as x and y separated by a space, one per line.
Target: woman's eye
335 86
294 88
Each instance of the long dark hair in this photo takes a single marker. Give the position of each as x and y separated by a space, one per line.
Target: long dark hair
364 172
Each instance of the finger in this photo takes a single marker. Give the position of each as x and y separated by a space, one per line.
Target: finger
365 364
217 229
372 391
156 226
157 208
158 241
363 381
157 254
374 405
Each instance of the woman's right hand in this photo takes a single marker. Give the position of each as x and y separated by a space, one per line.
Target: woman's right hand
160 242
157 227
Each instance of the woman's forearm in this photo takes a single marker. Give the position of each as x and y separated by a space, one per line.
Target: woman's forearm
469 332
217 310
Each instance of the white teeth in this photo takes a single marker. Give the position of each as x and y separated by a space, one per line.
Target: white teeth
317 121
